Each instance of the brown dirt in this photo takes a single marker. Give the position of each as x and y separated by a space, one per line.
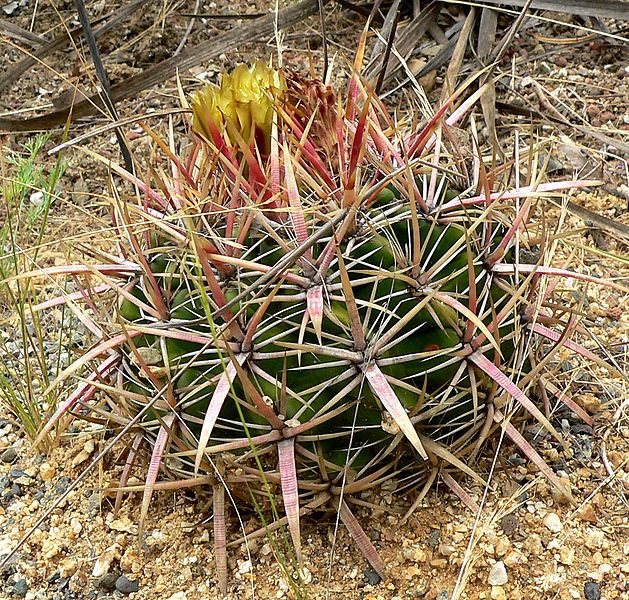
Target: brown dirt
549 549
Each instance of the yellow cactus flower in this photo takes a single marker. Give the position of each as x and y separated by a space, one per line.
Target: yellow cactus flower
241 105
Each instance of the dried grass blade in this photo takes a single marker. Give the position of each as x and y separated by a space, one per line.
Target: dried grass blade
81 394
505 269
486 39
612 9
126 471
449 84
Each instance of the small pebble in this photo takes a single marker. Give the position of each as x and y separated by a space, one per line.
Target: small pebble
46 472
498 574
20 588
126 586
502 546
509 524
14 492
498 593
566 555
553 522
594 538
593 110
62 484
245 567
592 590
68 567
9 455
103 562
108 581
434 539
372 577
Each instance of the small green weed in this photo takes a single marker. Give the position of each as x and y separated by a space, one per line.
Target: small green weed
28 194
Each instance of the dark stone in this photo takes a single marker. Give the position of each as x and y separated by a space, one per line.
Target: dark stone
93 504
54 577
62 484
509 524
372 577
126 586
582 447
515 460
20 588
581 429
592 590
62 583
579 296
17 473
14 492
108 581
434 539
9 566
560 465
584 377
567 366
9 455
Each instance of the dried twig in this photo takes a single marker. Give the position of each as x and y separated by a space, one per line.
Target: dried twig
188 31
62 41
104 81
156 74
406 42
486 39
612 9
23 35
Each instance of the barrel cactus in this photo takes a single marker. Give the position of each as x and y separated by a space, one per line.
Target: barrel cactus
315 296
